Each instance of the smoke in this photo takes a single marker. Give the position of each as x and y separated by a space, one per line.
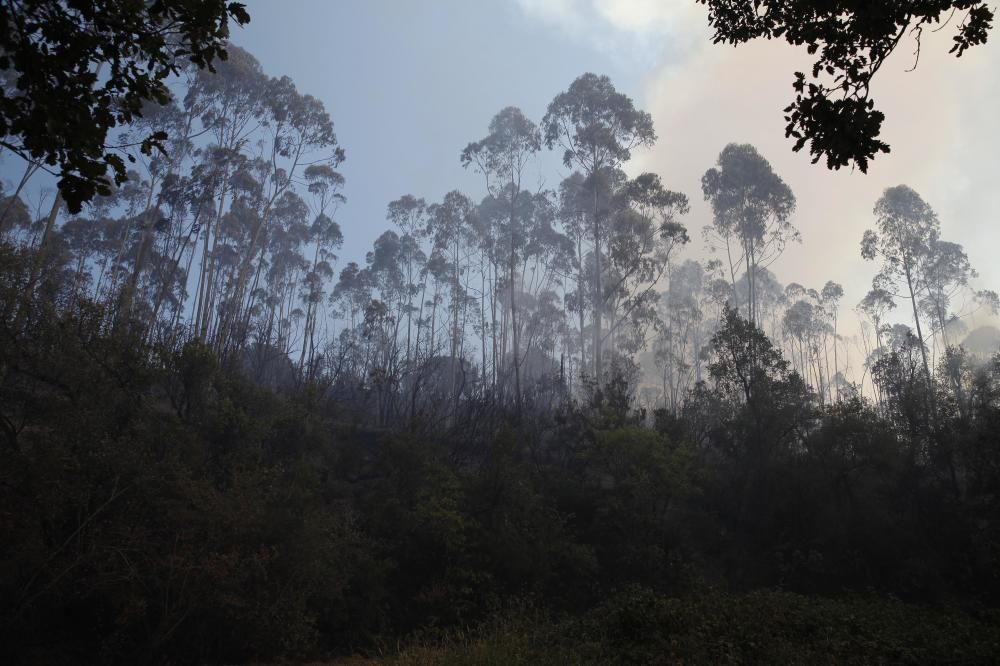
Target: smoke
940 122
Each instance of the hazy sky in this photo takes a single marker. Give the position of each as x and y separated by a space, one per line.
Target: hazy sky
409 84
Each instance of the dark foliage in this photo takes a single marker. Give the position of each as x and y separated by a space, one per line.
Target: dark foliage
157 506
74 71
833 111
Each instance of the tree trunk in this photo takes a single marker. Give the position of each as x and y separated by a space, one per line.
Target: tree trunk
598 294
513 316
43 248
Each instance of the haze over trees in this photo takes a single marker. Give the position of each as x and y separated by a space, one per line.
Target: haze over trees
528 425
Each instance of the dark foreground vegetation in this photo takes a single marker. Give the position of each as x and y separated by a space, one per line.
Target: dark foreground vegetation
764 627
160 506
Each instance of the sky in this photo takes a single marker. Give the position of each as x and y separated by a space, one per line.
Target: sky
409 84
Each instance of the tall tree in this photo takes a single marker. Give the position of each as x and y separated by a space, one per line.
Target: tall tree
875 306
751 207
598 128
501 157
644 234
408 214
906 230
450 225
325 234
830 301
299 128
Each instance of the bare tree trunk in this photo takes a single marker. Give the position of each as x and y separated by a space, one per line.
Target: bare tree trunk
513 315
598 294
43 248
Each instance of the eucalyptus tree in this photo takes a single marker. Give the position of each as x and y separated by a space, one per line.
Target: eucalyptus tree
102 209
324 184
408 214
177 124
575 207
644 233
597 128
801 324
230 239
678 351
874 307
493 241
490 229
541 262
385 266
906 230
450 225
131 200
502 156
907 395
751 207
220 107
547 263
81 237
947 274
352 294
14 215
769 296
830 303
809 324
282 270
214 173
384 317
299 132
183 197
232 109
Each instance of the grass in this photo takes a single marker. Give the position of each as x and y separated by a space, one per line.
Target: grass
763 627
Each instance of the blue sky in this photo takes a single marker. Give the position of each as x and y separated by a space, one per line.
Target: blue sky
409 84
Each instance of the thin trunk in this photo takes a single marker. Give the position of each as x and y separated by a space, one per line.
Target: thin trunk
580 308
836 365
43 246
513 314
482 317
916 321
598 294
454 328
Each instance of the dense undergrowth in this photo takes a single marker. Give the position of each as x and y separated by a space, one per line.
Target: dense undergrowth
763 627
159 507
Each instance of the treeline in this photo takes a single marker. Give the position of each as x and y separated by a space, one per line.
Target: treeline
230 237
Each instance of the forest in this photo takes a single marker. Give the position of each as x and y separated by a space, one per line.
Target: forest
530 425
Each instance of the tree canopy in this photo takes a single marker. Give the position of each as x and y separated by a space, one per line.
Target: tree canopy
833 111
74 71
